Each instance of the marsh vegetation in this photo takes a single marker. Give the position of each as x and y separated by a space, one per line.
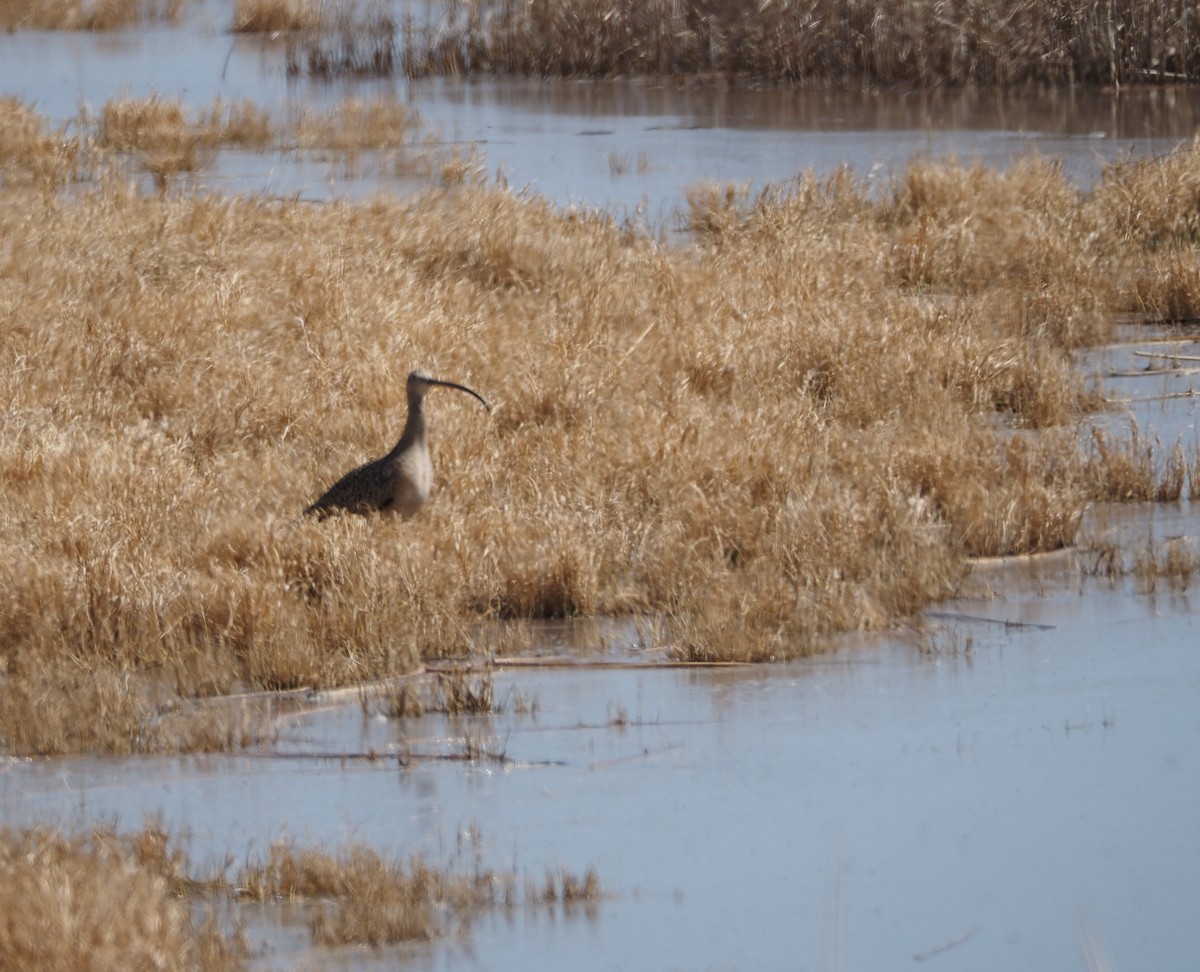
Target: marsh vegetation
926 43
792 412
802 421
104 900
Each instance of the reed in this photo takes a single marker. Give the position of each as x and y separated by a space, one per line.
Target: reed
165 138
350 41
1136 469
273 16
1174 562
923 42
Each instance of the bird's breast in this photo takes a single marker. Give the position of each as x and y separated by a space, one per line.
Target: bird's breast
414 480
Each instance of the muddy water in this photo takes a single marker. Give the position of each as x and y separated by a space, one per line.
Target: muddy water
1017 786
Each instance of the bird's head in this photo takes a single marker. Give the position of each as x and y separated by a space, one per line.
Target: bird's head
419 383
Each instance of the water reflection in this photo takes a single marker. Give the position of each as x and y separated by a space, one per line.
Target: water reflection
575 141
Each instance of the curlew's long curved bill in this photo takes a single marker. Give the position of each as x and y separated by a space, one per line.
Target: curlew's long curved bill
452 384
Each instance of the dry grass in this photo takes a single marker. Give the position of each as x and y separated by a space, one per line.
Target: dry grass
84 14
1171 563
378 902
1152 207
30 152
1176 562
925 42
102 902
272 16
361 897
1133 469
163 137
154 124
452 693
354 125
802 423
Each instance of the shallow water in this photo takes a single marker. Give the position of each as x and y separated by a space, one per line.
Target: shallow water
1025 772
1152 379
1011 786
631 146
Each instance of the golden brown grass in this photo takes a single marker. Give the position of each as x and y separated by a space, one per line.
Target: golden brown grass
101 901
164 137
451 693
270 16
155 124
84 14
31 153
802 423
1149 207
376 901
1133 469
361 897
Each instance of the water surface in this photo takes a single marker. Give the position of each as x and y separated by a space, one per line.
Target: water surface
1024 773
629 145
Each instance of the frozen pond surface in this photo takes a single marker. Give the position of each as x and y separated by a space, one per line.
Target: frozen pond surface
1015 787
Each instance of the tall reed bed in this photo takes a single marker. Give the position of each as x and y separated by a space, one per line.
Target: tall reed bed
799 424
924 42
874 42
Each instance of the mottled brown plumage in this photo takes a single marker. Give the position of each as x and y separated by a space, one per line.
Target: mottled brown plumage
400 481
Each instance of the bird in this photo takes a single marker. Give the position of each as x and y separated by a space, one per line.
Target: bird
399 482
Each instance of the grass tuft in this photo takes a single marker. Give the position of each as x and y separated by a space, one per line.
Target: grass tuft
360 897
108 901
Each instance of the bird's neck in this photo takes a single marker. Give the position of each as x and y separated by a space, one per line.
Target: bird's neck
414 431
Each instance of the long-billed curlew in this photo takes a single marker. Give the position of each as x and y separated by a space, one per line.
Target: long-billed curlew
400 481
